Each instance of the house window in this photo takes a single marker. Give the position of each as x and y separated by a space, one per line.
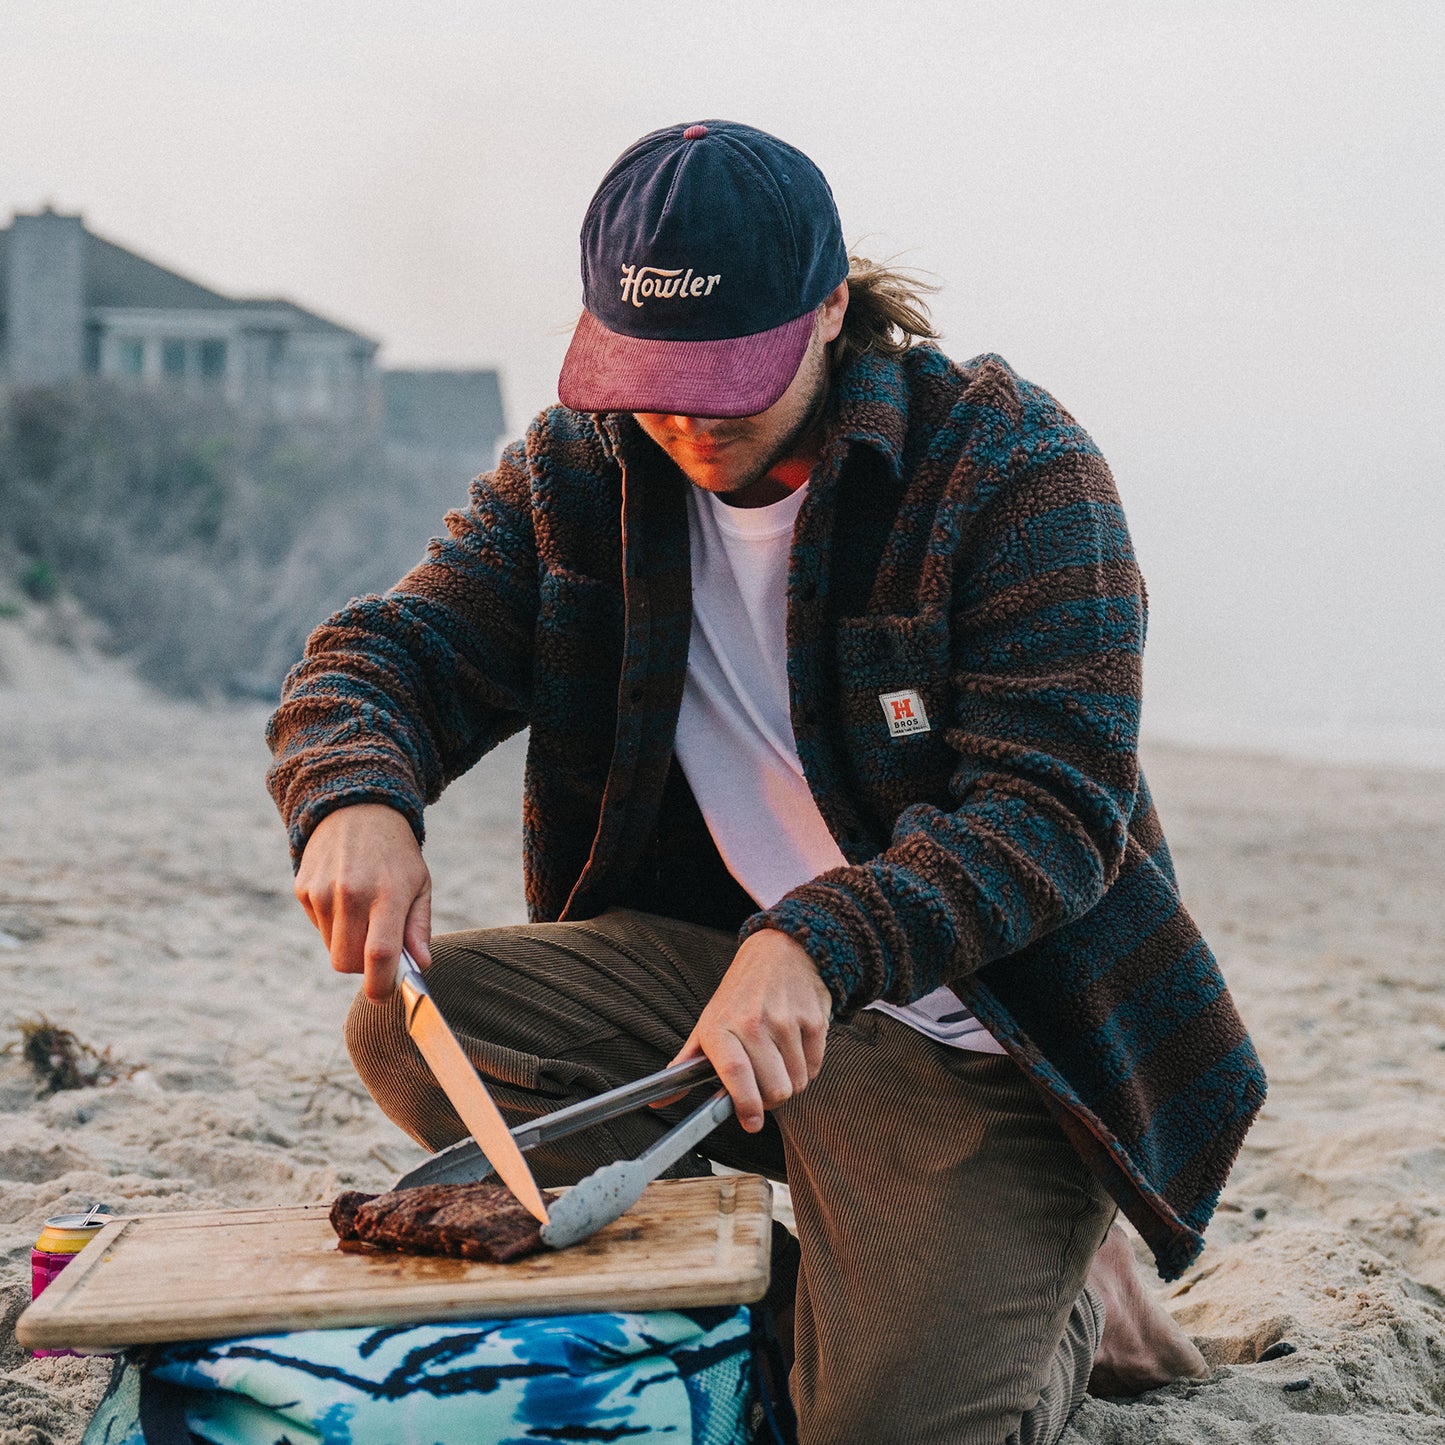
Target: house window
213 359
130 355
173 358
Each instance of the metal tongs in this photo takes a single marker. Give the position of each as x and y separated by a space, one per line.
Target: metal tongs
608 1192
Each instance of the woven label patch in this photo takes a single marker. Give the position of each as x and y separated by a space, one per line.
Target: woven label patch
904 711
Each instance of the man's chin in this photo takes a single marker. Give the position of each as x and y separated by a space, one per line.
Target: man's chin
719 481
725 481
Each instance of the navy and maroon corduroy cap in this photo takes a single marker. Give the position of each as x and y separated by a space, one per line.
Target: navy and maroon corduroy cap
705 252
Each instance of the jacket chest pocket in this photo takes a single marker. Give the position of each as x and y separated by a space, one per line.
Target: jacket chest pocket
895 695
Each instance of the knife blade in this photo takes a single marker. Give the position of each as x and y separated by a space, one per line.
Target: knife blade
462 1085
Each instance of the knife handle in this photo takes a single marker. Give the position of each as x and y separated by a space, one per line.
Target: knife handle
409 975
410 984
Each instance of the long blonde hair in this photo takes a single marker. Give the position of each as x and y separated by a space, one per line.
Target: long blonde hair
886 312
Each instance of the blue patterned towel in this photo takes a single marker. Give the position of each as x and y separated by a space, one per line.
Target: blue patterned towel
684 1378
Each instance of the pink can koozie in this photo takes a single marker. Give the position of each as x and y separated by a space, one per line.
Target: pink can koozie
63 1237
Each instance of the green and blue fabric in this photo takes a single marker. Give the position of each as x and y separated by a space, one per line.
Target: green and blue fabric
682 1377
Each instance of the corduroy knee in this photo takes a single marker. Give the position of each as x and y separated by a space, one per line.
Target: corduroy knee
394 1073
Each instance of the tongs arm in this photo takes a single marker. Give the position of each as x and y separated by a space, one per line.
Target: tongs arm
623 1100
463 1162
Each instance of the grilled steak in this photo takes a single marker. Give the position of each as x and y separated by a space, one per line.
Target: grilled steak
467 1221
343 1213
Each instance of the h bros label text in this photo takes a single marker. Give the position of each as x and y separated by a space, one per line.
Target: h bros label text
904 711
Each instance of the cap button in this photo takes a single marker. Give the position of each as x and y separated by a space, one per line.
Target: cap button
694 132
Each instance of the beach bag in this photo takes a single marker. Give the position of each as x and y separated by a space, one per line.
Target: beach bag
689 1377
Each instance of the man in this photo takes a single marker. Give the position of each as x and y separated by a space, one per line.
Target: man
832 646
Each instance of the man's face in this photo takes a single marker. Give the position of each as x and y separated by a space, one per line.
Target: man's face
732 456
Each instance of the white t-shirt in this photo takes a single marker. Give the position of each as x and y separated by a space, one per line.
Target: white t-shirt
735 733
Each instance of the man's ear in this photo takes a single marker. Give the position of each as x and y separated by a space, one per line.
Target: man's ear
830 313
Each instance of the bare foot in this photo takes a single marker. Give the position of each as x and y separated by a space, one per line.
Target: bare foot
1142 1347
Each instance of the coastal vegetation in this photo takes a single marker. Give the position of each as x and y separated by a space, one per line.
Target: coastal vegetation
206 543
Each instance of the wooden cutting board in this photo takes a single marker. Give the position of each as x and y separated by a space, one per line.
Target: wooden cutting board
159 1277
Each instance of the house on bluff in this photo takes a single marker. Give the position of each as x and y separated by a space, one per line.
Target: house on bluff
74 304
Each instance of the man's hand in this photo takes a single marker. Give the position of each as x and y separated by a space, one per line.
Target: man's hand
364 885
765 1027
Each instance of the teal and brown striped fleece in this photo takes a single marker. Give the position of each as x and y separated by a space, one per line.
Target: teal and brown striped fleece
961 538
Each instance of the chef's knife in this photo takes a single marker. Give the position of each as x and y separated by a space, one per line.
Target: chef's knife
461 1084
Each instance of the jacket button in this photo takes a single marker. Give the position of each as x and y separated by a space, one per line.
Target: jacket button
635 695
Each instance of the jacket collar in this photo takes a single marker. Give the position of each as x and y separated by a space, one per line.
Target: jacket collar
870 409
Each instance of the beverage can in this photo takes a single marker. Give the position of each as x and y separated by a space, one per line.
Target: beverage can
62 1238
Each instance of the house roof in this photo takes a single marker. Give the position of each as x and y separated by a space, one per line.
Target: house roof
117 276
304 320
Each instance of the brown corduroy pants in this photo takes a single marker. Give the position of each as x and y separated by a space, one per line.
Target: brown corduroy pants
946 1226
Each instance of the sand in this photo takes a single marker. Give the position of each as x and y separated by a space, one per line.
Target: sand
145 904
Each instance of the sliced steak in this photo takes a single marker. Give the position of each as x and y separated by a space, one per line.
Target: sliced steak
343 1212
466 1221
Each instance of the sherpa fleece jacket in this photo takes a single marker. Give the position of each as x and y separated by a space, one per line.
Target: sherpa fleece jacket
961 539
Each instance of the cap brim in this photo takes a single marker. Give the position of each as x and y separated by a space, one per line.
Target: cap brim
738 376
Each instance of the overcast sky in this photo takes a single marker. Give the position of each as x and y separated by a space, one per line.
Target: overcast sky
1214 231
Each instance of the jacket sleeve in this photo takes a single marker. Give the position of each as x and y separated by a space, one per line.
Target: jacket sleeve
1046 638
398 694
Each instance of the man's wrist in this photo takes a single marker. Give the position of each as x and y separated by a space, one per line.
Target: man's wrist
316 811
807 936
